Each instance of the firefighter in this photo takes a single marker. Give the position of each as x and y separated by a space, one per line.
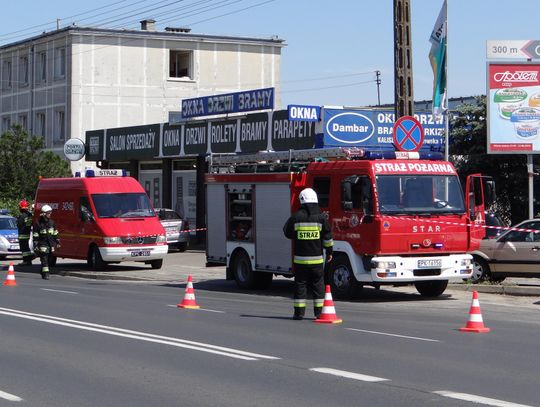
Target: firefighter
45 239
310 232
24 226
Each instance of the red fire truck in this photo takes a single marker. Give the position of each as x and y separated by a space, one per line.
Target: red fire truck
397 218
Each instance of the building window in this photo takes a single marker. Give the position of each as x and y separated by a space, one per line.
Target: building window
23 70
41 74
40 124
6 124
6 75
180 64
59 127
23 121
59 63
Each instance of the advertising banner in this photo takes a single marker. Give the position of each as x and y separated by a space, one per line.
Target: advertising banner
171 144
245 101
132 143
254 132
373 129
223 136
286 134
513 108
195 138
95 145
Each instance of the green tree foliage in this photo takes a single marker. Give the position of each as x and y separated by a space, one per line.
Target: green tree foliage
468 147
22 162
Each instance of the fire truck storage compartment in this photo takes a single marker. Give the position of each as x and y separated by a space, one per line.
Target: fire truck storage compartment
216 242
272 208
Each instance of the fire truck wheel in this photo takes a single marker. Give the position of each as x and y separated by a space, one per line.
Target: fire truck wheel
431 288
481 270
243 274
342 280
95 261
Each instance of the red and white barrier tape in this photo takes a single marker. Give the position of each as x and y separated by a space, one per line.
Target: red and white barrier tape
193 230
466 224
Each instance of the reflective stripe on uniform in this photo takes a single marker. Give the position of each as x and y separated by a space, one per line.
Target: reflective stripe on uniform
319 302
307 226
308 259
45 269
24 237
299 303
328 243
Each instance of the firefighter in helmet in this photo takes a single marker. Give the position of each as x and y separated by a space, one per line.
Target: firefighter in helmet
45 239
24 227
310 232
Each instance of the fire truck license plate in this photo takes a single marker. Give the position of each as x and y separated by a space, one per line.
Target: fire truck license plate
140 253
429 263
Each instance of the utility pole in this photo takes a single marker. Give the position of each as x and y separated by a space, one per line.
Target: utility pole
403 76
378 82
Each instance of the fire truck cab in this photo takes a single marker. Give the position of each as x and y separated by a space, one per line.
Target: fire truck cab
398 218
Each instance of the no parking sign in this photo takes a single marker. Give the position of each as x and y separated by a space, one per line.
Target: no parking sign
408 134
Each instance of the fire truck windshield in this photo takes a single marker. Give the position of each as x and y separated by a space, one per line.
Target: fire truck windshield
424 194
125 205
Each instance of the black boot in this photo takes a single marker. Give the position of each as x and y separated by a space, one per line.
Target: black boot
45 276
317 311
298 313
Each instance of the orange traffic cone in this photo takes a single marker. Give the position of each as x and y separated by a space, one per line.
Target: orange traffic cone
10 278
189 296
328 314
475 322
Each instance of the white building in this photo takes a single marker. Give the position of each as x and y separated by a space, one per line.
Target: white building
60 84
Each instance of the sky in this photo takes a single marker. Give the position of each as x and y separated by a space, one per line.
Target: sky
333 47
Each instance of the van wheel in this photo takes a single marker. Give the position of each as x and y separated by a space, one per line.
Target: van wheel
342 280
431 288
243 274
480 270
95 261
156 264
182 247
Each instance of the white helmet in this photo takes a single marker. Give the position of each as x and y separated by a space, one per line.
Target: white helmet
46 208
308 196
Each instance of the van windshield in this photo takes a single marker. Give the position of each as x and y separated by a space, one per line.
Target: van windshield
129 205
419 194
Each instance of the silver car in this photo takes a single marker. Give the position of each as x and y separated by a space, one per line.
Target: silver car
515 253
176 228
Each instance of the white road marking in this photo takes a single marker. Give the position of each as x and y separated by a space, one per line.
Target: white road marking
398 336
10 397
200 309
59 291
478 399
349 375
142 336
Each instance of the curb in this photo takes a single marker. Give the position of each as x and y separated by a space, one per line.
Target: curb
499 289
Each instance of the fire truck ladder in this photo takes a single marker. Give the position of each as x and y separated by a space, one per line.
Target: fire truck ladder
284 157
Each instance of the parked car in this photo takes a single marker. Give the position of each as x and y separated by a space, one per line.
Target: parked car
515 253
175 227
493 220
9 236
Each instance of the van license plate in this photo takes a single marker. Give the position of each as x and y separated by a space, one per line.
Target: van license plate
140 253
429 263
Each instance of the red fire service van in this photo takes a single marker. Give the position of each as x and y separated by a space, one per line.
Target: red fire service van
103 219
397 217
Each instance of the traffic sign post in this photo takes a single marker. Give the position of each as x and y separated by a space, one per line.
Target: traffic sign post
408 134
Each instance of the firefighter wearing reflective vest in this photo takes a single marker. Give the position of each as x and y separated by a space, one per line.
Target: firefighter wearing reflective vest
45 239
24 227
310 232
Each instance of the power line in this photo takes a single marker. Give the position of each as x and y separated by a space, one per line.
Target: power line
232 12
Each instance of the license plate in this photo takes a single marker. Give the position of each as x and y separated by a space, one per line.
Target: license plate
140 253
14 247
429 263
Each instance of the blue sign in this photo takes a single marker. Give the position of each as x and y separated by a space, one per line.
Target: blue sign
245 101
408 134
304 113
374 129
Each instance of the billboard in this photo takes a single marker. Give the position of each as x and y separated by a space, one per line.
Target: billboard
373 129
513 108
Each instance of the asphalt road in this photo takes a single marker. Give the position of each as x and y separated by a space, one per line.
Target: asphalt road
71 341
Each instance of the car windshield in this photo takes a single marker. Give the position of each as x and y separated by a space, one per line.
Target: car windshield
426 194
128 205
8 223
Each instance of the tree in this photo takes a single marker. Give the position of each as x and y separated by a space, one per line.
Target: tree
22 162
468 152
